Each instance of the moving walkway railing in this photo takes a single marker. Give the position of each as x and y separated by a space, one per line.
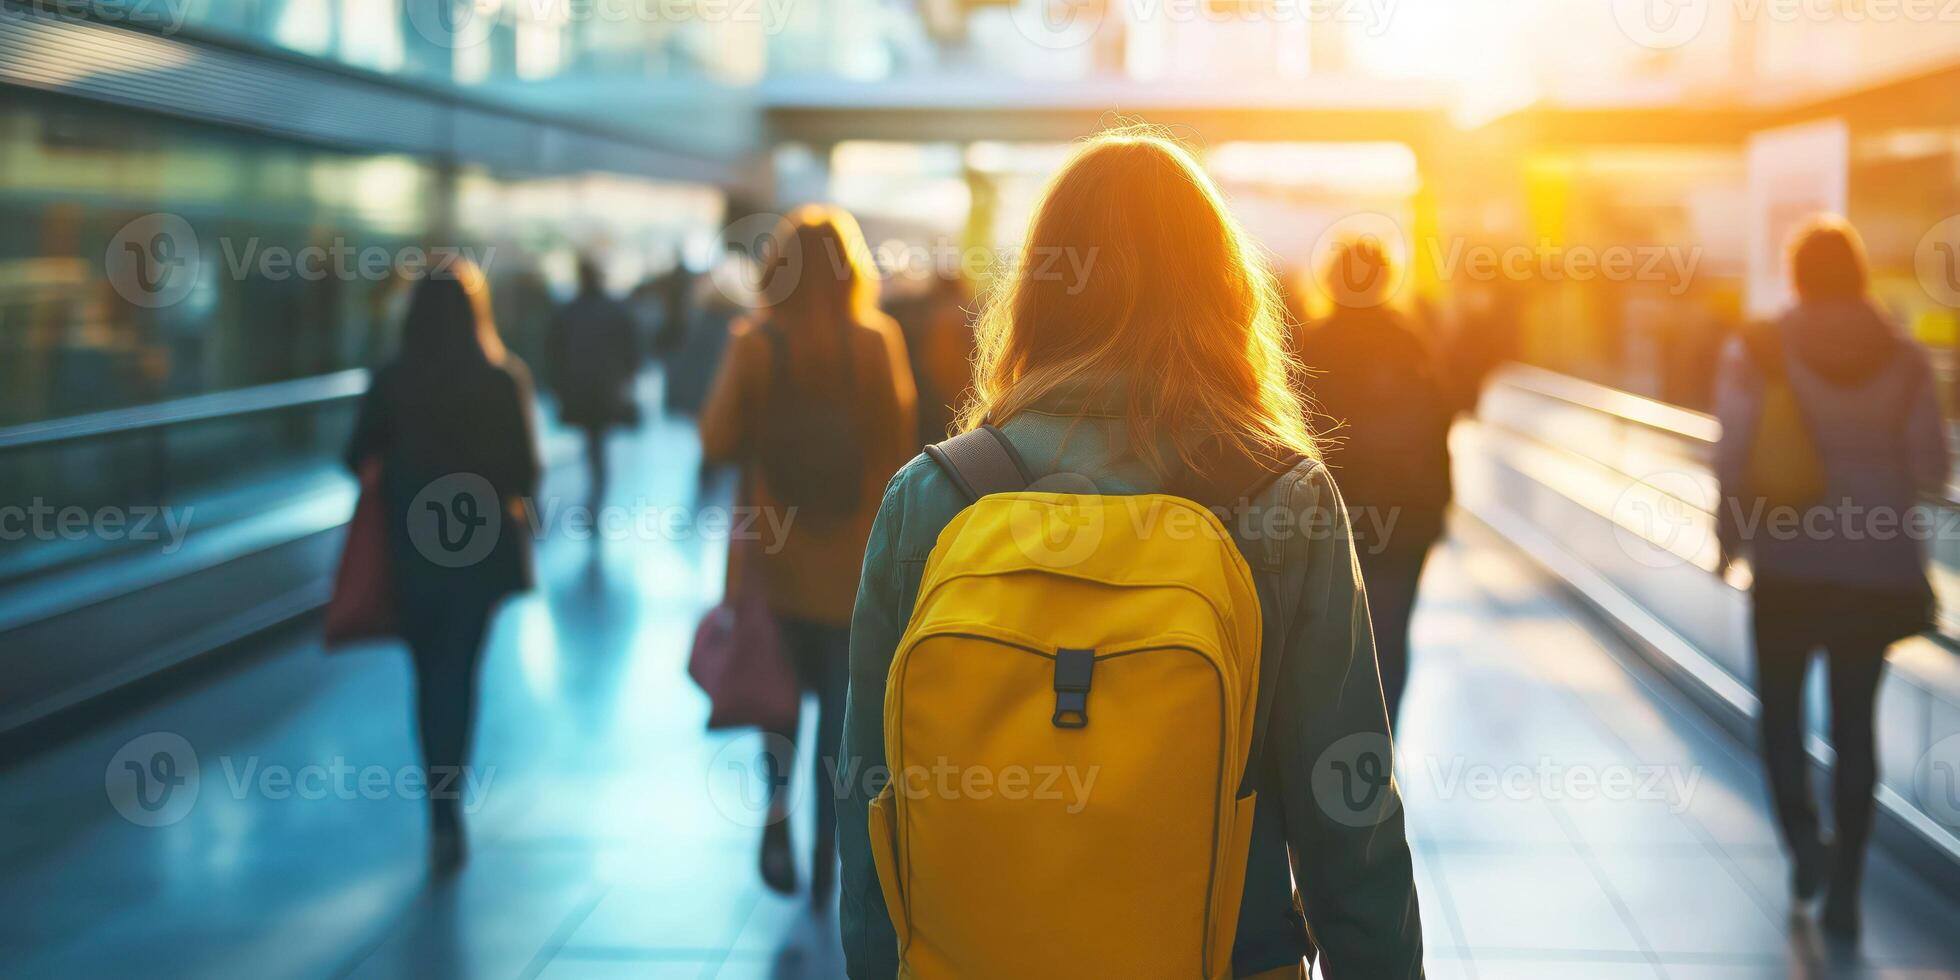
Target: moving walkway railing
1668 451
75 488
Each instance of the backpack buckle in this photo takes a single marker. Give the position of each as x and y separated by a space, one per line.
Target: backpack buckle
1073 669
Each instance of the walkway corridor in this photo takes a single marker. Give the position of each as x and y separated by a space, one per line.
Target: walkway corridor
1570 817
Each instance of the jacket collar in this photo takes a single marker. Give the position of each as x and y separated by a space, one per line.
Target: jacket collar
1090 397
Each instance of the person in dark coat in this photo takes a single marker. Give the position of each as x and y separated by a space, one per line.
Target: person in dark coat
594 356
1384 406
451 420
1870 411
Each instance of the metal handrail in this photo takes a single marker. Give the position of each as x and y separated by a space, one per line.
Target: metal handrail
1695 427
278 396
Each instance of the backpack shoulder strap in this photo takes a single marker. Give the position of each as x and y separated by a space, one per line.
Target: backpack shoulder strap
980 462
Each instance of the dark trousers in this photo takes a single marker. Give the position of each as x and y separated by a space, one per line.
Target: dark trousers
1787 631
1390 577
447 649
821 655
595 464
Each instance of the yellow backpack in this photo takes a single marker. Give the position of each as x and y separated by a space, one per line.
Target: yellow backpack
1068 721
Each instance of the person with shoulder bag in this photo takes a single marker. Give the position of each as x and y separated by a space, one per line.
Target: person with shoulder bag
1830 419
1112 687
450 423
815 401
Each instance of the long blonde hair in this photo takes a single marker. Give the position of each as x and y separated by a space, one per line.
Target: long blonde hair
1171 295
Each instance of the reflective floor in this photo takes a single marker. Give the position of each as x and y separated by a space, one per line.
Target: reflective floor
1570 817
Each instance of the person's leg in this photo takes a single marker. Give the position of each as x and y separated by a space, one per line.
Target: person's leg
595 464
778 767
1855 673
446 658
1782 658
1391 578
832 676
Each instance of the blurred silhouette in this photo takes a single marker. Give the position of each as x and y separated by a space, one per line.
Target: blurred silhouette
816 402
1827 414
942 354
1378 385
594 355
1488 333
449 417
700 328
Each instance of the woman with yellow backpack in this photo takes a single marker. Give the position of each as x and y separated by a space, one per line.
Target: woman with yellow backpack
1113 690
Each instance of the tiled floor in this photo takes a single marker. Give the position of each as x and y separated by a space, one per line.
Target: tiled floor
614 838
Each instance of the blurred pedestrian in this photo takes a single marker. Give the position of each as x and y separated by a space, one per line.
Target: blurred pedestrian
815 400
943 356
450 418
1827 412
593 360
1385 406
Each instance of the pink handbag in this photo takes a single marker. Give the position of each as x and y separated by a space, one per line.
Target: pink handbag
738 661
363 602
